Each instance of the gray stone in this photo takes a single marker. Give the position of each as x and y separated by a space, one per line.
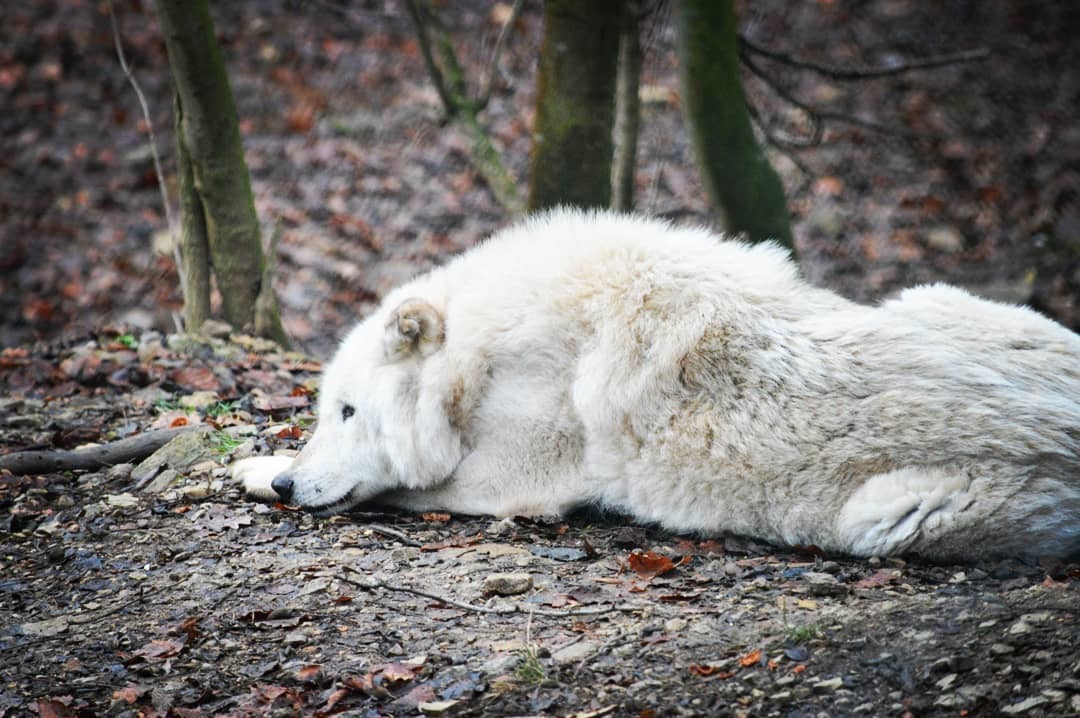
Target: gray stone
507 584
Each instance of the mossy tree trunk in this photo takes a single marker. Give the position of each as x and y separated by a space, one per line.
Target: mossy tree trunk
575 104
627 109
745 190
219 227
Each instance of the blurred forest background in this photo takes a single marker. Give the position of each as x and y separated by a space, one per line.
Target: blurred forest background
968 172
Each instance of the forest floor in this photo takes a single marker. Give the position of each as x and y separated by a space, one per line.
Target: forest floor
157 589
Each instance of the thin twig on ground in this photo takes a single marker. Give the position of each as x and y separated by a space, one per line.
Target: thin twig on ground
370 582
394 533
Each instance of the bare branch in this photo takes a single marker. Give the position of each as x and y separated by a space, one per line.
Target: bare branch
775 142
449 106
153 145
493 65
817 116
849 74
370 582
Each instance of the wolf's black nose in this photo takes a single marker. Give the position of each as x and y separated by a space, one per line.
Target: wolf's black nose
283 485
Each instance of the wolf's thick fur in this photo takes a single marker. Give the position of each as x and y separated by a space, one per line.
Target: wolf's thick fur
700 384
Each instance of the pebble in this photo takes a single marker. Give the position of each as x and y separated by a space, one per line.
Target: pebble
822 584
507 584
575 652
1001 649
945 239
1024 705
829 684
503 527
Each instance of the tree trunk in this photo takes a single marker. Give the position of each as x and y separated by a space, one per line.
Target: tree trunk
627 110
208 142
575 104
744 189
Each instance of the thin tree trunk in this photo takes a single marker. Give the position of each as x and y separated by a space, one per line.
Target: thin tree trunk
627 110
194 245
575 104
210 137
745 190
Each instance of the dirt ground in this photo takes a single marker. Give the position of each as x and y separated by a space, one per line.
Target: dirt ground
156 589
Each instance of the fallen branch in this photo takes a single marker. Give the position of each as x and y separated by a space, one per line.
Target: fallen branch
370 583
127 450
393 533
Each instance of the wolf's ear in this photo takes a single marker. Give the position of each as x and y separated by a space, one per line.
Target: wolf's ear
415 327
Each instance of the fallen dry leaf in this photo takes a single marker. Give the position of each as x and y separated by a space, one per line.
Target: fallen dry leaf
457 541
878 579
649 564
158 650
751 659
707 670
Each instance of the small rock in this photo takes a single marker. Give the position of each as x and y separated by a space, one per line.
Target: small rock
163 481
945 239
1019 628
295 638
503 527
45 629
675 625
119 472
830 567
575 652
499 665
198 400
435 707
818 583
945 682
121 501
196 491
507 584
1001 649
1024 705
829 684
405 553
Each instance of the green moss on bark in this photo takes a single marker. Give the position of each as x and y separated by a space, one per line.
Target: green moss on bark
575 106
743 187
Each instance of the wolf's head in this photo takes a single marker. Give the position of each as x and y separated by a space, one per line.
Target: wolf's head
383 421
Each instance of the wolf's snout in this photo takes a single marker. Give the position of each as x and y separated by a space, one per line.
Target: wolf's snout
283 485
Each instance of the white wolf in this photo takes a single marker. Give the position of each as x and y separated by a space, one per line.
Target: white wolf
698 383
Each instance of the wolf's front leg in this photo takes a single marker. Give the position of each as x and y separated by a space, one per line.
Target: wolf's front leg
256 473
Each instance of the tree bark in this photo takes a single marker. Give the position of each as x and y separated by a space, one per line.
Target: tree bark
745 190
194 245
208 137
575 104
627 110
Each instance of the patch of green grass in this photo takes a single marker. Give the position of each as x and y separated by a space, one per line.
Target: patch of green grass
223 443
530 671
220 408
163 405
804 633
128 340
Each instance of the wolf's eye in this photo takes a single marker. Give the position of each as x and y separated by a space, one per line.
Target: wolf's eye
347 411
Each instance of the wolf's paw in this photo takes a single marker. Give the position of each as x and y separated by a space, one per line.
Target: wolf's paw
256 473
